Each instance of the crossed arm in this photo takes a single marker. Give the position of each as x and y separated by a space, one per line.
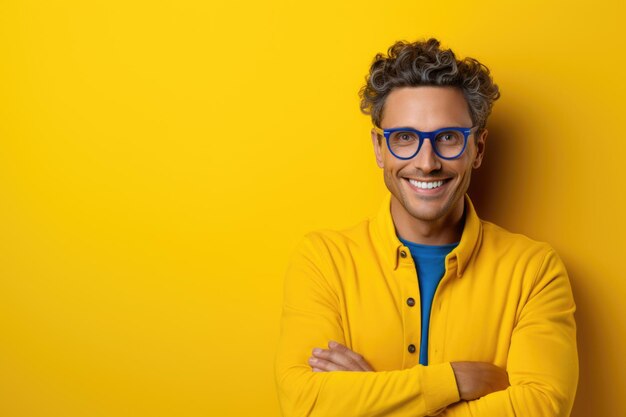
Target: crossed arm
541 366
474 379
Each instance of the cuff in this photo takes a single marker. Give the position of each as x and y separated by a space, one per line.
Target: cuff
440 388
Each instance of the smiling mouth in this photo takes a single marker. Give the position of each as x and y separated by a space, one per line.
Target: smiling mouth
426 185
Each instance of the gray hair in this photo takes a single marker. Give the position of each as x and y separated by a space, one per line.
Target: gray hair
424 63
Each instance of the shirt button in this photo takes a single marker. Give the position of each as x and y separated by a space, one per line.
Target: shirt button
411 348
403 254
410 301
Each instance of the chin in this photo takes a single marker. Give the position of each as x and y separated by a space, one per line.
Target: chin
428 215
429 210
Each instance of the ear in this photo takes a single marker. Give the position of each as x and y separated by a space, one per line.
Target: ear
480 149
377 142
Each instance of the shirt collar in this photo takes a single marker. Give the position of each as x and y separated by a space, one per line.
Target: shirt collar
383 229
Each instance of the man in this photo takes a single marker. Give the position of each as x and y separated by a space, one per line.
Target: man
425 309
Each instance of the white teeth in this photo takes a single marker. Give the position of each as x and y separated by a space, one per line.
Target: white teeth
426 185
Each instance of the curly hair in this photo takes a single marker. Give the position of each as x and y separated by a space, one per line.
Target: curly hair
424 63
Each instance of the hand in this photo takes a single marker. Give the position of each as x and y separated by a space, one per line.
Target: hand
477 379
337 358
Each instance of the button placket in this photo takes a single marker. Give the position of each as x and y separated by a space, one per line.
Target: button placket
411 315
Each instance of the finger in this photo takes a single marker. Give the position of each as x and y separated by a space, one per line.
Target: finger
337 357
320 353
343 357
317 369
346 358
352 356
324 365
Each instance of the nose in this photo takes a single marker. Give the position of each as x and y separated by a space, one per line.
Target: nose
426 159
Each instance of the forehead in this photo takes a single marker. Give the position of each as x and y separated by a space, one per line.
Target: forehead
426 108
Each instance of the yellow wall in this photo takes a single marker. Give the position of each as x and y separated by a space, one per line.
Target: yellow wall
160 159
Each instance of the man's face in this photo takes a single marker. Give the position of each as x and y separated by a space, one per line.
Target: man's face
428 108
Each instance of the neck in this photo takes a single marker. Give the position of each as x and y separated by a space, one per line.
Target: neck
447 229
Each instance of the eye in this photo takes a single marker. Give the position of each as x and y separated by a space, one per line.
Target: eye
449 137
404 137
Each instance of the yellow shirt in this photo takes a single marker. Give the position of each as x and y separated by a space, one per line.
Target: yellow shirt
504 299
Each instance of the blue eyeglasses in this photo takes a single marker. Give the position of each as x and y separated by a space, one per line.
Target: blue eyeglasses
405 142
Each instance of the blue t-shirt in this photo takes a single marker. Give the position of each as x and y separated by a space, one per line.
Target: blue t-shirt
430 265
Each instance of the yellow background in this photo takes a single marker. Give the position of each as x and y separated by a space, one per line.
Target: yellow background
160 159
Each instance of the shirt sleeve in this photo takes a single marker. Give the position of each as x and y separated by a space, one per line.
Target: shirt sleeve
543 359
311 317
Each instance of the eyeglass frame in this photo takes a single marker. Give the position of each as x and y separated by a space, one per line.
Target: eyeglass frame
467 131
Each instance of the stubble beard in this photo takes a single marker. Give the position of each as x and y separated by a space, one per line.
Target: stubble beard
418 207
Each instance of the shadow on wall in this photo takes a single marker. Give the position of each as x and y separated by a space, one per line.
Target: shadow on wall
490 188
498 189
